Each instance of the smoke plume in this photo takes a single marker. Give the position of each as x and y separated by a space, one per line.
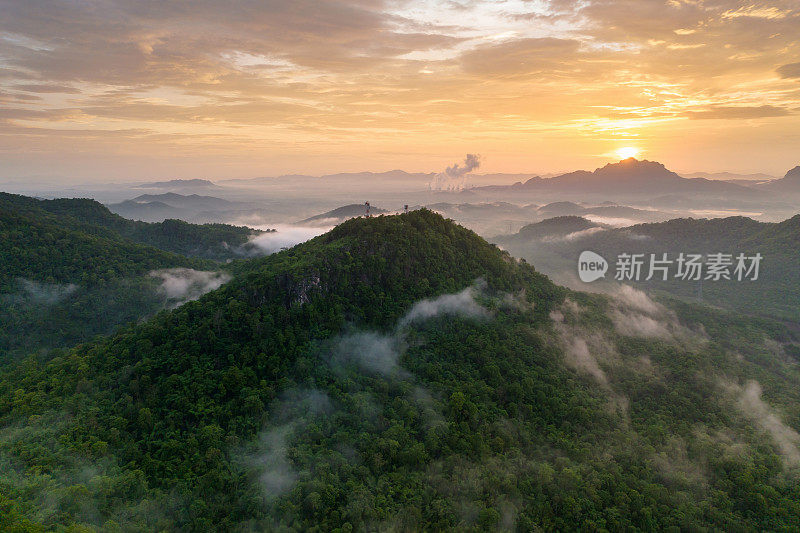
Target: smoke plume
454 178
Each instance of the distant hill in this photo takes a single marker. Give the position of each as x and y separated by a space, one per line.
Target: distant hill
607 210
731 176
393 176
790 183
148 211
486 218
625 178
561 209
69 275
158 207
188 201
41 242
776 293
399 373
209 241
340 214
557 226
72 269
179 184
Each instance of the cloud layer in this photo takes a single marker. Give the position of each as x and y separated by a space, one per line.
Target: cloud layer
228 87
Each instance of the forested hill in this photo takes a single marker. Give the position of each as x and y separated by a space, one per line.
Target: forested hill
400 373
68 272
38 246
555 244
209 241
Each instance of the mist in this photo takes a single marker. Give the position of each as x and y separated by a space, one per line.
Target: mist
372 352
181 285
582 348
267 459
35 292
574 236
462 304
284 236
380 353
754 407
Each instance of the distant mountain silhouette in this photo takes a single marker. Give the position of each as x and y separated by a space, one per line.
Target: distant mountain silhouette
158 207
189 201
557 226
147 211
608 210
391 175
789 183
180 183
731 176
559 209
340 214
629 176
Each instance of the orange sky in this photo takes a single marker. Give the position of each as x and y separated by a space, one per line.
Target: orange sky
112 89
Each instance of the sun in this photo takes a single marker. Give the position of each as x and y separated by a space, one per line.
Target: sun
627 151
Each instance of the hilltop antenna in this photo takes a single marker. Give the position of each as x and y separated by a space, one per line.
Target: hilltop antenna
366 207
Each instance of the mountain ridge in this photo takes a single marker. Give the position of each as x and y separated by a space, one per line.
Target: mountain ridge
400 372
626 177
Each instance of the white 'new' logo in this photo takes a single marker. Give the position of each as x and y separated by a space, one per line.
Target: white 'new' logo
591 266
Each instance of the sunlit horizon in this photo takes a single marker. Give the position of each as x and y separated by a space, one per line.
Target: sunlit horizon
121 91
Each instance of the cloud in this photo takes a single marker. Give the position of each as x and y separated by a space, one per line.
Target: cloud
738 112
790 70
276 474
231 88
283 237
45 88
181 285
755 11
521 57
636 315
639 325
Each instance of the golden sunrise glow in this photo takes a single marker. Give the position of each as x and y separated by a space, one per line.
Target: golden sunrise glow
240 89
628 151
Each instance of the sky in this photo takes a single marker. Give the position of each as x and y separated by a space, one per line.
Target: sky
125 89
